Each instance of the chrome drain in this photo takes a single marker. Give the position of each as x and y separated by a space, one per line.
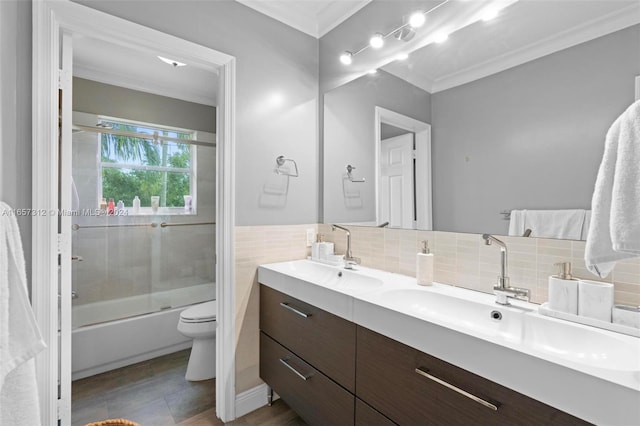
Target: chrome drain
496 315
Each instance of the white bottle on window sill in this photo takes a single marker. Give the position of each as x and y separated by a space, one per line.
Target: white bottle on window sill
136 205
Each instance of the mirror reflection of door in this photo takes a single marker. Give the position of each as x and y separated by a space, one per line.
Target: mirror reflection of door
403 171
397 181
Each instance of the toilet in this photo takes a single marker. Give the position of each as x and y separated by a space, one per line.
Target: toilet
199 323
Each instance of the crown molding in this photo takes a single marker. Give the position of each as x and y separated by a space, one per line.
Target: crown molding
587 31
308 20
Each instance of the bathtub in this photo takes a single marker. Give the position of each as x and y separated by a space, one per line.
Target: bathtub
101 343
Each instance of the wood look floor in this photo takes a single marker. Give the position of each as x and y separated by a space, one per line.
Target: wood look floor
155 393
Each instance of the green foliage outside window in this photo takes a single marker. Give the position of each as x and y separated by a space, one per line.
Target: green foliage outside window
136 161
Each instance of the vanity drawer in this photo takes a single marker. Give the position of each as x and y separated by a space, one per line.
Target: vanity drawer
322 339
367 416
316 398
411 387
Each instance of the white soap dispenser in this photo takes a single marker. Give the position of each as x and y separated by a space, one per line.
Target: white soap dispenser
424 265
563 290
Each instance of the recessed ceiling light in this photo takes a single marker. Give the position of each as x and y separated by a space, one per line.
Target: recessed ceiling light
417 19
440 37
172 62
376 41
346 58
373 71
402 56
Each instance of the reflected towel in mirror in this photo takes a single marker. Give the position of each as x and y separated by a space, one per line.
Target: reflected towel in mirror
565 224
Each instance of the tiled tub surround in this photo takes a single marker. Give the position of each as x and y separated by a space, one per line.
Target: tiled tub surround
464 260
123 261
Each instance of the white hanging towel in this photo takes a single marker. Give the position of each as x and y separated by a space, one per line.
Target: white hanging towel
614 232
20 338
516 223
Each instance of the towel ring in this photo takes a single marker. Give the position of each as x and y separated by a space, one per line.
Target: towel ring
350 168
281 161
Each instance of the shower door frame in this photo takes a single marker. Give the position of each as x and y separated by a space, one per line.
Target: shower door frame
50 19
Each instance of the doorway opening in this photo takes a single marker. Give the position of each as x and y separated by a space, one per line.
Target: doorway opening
198 200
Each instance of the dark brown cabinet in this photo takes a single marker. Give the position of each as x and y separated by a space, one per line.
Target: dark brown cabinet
427 390
332 372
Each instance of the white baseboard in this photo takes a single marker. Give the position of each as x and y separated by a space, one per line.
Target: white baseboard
251 400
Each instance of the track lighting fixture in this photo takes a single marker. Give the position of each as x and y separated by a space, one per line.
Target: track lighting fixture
346 58
417 19
405 32
376 41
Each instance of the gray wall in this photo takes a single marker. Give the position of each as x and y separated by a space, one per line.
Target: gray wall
349 135
530 137
15 112
113 101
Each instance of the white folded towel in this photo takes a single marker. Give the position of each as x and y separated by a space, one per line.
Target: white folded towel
516 223
614 232
20 338
566 224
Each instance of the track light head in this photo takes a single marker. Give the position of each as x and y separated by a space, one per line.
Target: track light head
346 58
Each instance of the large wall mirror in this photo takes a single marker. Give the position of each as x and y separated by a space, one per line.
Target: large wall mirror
516 109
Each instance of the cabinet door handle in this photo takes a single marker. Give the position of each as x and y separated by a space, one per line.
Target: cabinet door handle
296 372
424 372
294 310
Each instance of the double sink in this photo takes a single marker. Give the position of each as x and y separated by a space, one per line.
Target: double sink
511 345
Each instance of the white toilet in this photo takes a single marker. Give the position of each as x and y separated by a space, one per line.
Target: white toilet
199 322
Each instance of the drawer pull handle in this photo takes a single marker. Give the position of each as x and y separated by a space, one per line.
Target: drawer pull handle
481 401
294 310
296 372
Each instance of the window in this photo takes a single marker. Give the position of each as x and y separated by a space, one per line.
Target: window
133 164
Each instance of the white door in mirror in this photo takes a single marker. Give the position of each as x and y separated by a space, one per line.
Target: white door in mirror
396 181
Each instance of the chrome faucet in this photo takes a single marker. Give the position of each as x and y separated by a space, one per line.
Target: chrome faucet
503 290
349 260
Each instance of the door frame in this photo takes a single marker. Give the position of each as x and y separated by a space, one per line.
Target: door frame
50 17
423 186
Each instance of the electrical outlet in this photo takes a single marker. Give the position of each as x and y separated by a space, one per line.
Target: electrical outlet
311 237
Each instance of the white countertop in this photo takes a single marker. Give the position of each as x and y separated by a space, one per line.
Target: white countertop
591 373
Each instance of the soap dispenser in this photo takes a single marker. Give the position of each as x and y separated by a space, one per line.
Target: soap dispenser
424 265
563 290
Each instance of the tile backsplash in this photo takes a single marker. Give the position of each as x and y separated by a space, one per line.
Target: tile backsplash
464 260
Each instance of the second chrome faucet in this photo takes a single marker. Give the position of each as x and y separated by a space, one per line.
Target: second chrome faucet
349 260
503 289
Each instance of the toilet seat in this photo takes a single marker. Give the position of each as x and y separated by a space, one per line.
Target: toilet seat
203 312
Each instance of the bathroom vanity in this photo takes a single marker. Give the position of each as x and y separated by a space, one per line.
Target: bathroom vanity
368 347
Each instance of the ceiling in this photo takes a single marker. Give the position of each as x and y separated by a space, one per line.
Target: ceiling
105 62
314 17
524 30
